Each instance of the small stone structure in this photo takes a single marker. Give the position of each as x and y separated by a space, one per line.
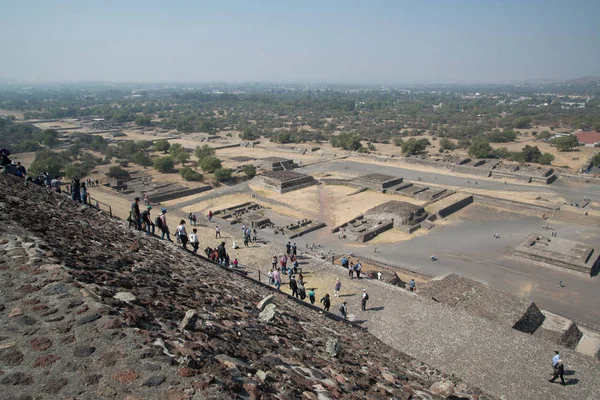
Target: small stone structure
484 301
299 228
558 252
284 181
379 182
275 164
392 214
246 213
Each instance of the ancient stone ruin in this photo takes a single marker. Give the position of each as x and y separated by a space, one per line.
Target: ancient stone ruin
558 252
247 213
392 214
275 164
284 181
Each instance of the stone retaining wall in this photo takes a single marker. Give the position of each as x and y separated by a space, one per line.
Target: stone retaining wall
371 233
179 193
579 179
451 209
466 169
512 205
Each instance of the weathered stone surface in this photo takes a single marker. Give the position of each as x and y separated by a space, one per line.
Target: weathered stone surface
188 322
88 318
83 351
17 378
44 361
126 376
40 343
125 296
155 381
443 388
333 347
266 301
11 358
54 385
268 314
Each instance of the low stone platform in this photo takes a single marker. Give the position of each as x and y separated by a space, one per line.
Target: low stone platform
484 301
284 181
558 252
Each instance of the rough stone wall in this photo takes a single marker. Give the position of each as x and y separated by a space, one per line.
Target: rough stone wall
515 206
371 233
466 169
178 194
579 179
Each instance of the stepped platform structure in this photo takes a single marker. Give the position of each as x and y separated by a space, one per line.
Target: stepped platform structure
379 182
484 301
141 318
558 252
284 181
276 164
392 214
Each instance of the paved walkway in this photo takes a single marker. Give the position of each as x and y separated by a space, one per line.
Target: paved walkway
500 360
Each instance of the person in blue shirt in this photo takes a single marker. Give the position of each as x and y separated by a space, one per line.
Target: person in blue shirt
412 285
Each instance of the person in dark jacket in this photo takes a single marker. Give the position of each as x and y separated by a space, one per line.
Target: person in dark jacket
559 370
294 286
326 302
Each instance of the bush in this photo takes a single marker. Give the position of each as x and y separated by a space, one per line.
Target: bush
546 159
565 143
189 174
446 144
480 148
222 174
75 170
164 164
250 171
117 172
178 153
210 164
315 149
544 135
414 146
596 160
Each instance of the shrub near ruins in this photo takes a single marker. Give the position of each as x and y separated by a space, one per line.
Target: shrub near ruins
210 164
164 164
189 174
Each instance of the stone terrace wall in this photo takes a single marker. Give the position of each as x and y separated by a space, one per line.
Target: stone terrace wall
465 169
579 179
451 209
512 205
178 194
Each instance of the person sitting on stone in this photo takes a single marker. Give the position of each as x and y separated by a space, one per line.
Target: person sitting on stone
234 245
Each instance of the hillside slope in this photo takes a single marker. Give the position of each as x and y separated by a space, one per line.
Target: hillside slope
90 309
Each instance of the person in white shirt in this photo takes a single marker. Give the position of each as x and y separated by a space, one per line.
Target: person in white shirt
194 240
217 232
182 234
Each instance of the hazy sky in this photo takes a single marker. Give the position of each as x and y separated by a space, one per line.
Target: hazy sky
347 41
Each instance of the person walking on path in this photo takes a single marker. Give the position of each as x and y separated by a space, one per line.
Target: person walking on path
363 300
311 296
147 220
337 287
379 275
182 234
358 268
162 225
301 290
194 240
270 275
555 358
294 286
344 310
351 270
294 250
559 370
136 216
210 215
84 193
412 286
326 302
217 232
277 279
246 239
288 248
274 262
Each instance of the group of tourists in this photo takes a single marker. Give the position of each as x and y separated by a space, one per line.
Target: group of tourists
352 267
192 219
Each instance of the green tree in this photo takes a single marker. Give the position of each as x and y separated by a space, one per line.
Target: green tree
204 151
143 120
546 159
189 174
164 164
143 159
596 160
250 171
222 174
544 135
117 172
47 160
178 153
565 143
413 146
162 145
522 123
75 170
398 141
49 137
210 164
480 148
531 153
446 144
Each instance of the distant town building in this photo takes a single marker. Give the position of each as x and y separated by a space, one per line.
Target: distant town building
588 138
